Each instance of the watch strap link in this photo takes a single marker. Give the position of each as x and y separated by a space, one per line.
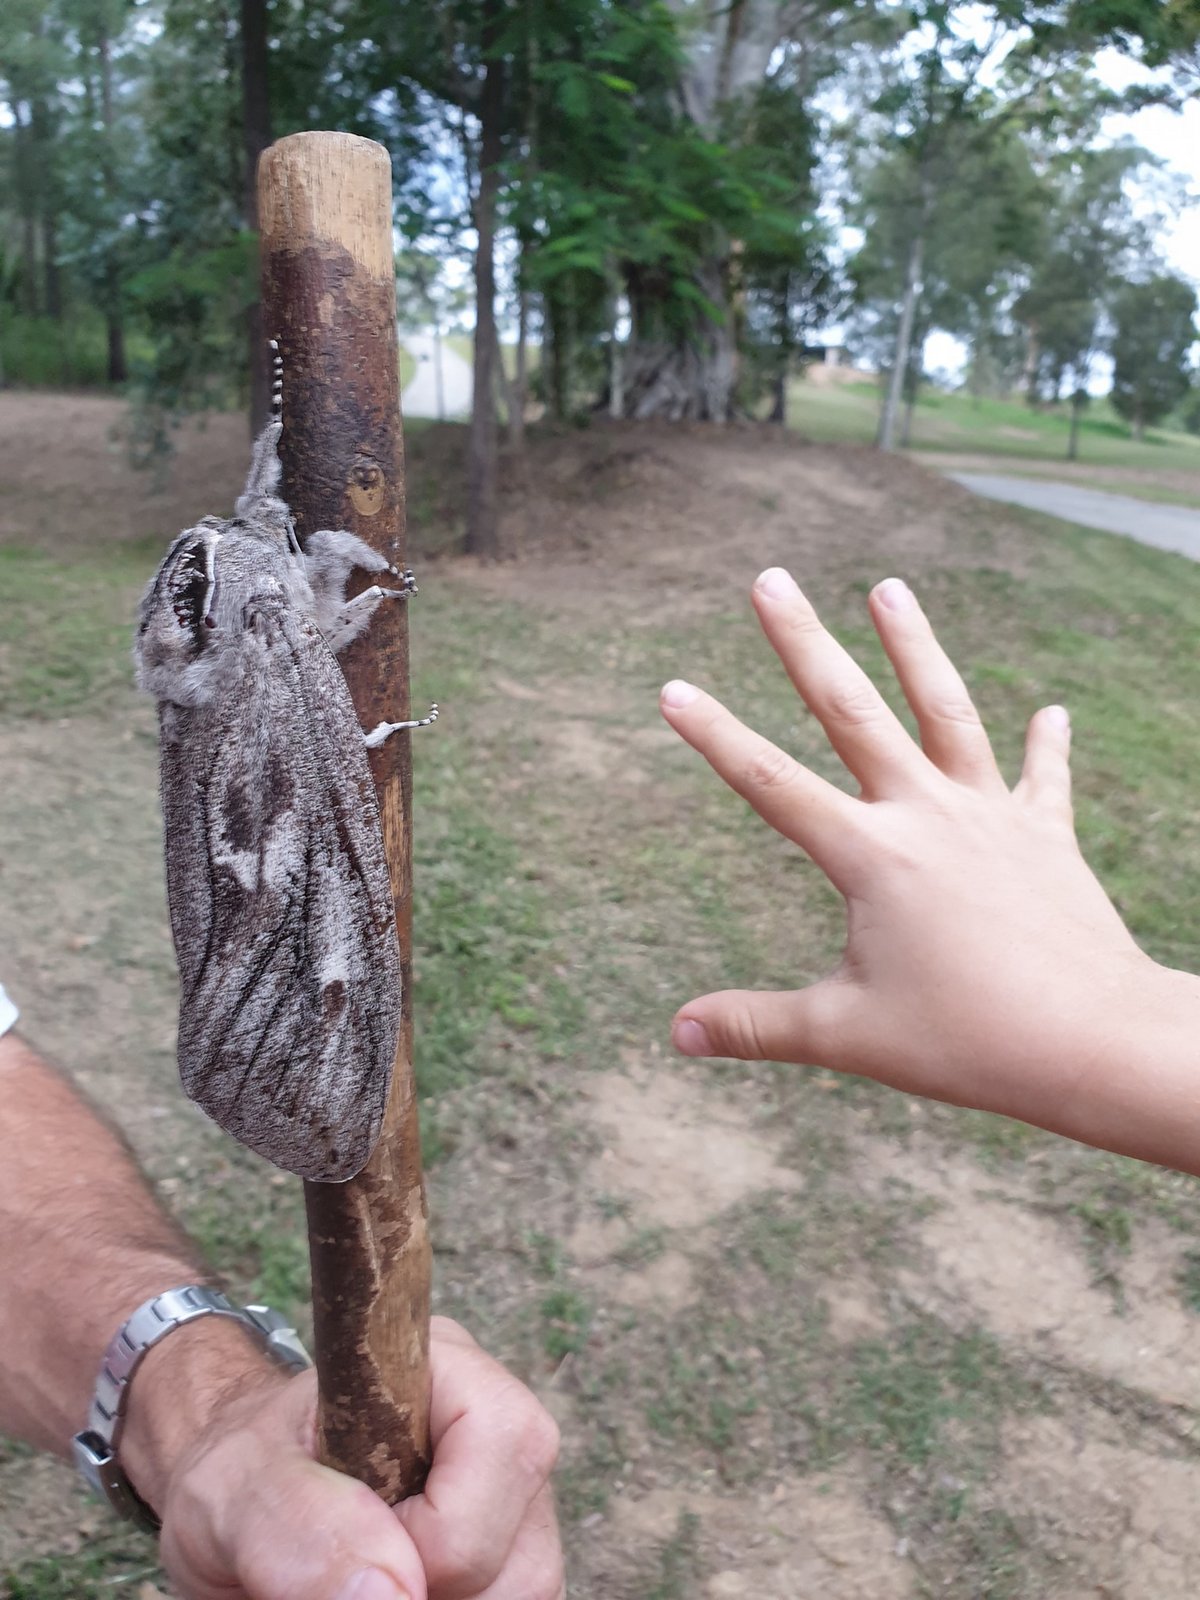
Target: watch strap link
96 1447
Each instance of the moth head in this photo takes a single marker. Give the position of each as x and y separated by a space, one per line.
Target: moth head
178 618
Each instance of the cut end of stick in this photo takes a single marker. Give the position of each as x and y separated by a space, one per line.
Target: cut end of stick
319 189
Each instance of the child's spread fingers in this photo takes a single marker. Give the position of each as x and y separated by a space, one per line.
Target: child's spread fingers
952 735
797 804
1046 774
859 724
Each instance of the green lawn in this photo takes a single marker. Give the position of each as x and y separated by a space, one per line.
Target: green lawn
955 423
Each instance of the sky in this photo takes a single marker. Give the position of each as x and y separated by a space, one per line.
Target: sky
1174 136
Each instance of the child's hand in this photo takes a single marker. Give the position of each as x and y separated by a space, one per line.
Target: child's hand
984 963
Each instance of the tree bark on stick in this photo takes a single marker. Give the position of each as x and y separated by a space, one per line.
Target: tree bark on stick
325 213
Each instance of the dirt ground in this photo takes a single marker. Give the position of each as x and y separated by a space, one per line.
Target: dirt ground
806 1340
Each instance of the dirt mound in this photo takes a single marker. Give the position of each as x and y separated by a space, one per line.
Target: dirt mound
68 484
684 502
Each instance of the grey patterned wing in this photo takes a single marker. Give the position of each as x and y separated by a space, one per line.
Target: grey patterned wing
282 912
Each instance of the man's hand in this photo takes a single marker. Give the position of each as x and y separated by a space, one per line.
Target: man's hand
248 1512
984 963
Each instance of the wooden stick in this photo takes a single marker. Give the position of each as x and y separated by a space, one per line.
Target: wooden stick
325 210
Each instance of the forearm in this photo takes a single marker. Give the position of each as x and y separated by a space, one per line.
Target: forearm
82 1243
1138 1084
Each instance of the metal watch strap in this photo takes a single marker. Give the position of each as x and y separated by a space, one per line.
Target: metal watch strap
95 1448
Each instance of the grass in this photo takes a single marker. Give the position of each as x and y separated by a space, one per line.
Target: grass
955 423
53 671
113 1565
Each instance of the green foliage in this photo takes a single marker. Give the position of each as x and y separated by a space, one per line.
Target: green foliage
42 352
1155 331
659 201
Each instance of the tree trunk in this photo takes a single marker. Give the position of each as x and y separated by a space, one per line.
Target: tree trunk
42 146
912 382
118 369
690 379
1073 434
558 371
51 271
1139 425
784 347
27 202
520 385
1030 370
908 311
483 529
256 136
118 366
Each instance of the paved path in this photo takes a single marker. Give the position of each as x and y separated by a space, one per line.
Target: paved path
421 397
1168 527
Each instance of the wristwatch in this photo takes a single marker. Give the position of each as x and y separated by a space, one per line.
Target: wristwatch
95 1448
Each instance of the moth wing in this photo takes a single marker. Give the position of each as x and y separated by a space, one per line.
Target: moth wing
282 913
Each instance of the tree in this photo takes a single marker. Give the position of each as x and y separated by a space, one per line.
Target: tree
912 200
1155 328
1093 234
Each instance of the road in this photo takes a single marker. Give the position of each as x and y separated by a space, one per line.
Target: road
420 398
1168 527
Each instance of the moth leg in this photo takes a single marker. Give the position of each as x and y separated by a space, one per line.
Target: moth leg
330 555
378 734
353 615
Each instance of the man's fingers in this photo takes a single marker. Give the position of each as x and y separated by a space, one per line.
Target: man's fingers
534 1570
797 804
253 1517
807 1026
952 735
858 722
494 1449
1046 773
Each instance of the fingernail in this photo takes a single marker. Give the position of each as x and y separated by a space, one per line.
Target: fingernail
1059 718
371 1584
690 1038
677 693
777 583
895 594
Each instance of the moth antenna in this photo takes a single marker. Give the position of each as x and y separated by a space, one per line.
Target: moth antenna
276 380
